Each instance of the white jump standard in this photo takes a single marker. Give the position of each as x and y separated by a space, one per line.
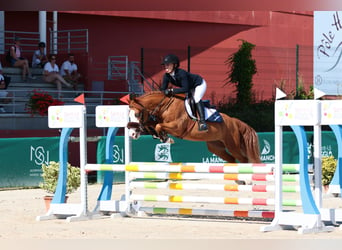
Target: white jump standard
132 203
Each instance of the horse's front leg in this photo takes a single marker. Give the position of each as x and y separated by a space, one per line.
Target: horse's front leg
164 137
163 134
171 128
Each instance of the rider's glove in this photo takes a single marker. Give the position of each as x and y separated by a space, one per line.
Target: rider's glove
168 92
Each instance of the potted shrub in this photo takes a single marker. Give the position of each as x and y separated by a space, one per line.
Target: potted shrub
328 169
50 179
39 102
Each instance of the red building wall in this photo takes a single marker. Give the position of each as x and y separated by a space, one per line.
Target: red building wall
213 36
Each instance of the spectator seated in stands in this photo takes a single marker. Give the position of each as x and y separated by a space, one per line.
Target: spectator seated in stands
69 71
39 58
17 60
4 95
51 74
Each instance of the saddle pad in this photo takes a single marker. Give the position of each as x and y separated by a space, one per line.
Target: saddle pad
211 114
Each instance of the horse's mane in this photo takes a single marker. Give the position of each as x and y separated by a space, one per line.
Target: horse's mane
158 92
154 96
146 97
153 92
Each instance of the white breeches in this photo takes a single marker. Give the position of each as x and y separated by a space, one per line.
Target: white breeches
199 91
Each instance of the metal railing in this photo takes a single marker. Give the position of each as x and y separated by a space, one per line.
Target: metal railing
15 103
76 40
136 74
120 68
29 40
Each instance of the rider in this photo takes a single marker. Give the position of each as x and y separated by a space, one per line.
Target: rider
188 83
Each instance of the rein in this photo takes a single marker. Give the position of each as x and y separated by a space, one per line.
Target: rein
148 124
143 122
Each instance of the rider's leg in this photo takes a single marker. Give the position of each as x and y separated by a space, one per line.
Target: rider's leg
202 126
198 94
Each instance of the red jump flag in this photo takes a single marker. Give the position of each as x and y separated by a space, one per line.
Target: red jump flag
80 99
125 99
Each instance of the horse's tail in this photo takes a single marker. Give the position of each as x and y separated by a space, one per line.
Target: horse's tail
251 143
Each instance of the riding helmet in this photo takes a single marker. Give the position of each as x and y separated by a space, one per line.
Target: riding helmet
171 59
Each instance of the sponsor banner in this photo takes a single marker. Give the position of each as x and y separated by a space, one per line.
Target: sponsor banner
25 170
327 52
66 116
111 116
22 158
147 149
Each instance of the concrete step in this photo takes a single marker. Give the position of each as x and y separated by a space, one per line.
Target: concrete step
18 79
21 91
17 71
15 74
30 86
18 106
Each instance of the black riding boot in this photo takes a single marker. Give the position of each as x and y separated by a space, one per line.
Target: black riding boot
202 126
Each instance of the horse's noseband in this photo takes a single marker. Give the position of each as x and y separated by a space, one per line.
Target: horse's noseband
139 128
152 118
135 125
147 118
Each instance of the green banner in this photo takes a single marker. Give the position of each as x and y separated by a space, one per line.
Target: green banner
290 147
147 149
329 146
152 150
21 160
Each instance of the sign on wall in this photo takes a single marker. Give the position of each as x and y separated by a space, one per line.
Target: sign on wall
328 52
22 159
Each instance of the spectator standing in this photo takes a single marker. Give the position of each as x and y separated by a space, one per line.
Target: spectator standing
69 71
39 58
17 60
51 74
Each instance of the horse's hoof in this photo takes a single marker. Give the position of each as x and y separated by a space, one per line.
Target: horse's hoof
239 182
170 140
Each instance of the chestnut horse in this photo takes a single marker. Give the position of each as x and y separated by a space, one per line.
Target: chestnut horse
232 140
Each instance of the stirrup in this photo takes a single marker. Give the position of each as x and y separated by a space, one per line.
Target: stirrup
202 126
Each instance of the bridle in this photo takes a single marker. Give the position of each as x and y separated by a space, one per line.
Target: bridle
148 118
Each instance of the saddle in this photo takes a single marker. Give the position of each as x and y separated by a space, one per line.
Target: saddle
210 112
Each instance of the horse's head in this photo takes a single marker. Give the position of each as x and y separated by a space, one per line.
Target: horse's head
135 128
146 111
143 112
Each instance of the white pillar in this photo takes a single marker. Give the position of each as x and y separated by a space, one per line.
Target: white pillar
42 26
54 33
317 144
2 32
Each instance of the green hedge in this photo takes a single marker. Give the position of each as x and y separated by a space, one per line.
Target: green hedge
259 116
